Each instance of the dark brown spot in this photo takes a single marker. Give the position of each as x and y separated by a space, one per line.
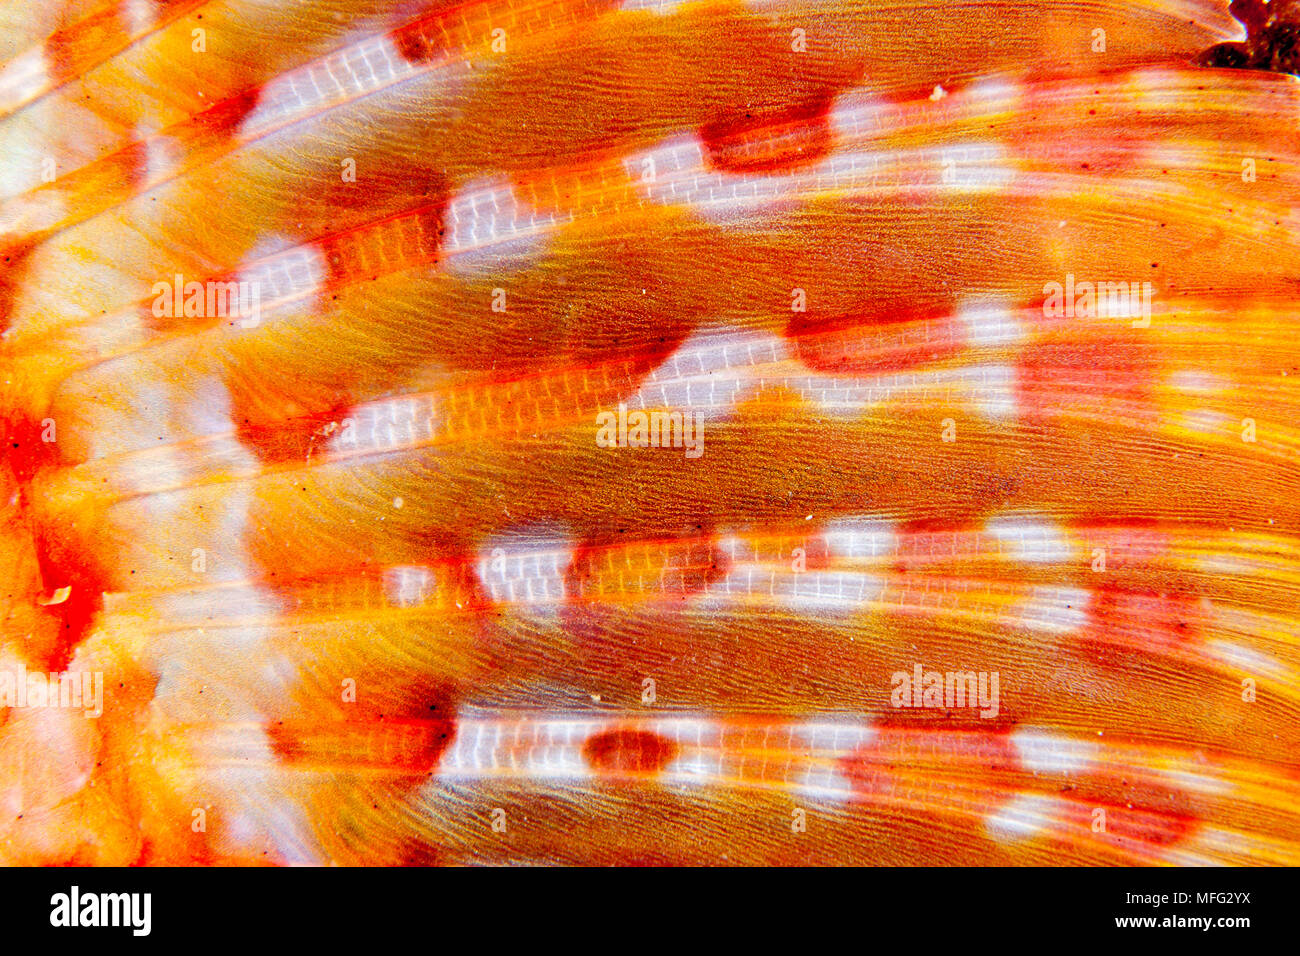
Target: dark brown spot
629 752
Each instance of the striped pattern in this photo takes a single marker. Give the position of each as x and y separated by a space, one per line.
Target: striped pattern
366 585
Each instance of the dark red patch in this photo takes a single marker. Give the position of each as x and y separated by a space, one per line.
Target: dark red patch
1119 151
61 559
389 245
749 143
1112 376
693 569
889 340
930 543
121 174
73 49
1253 14
1131 545
198 853
404 746
64 564
1142 812
416 852
286 420
1127 628
597 624
175 319
980 752
690 566
1150 826
26 449
114 178
14 259
816 554
421 42
292 439
620 752
222 121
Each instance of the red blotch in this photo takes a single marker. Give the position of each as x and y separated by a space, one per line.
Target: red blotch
73 49
421 42
1108 377
123 172
746 143
378 248
1119 151
286 420
817 554
1135 545
876 343
65 565
62 560
626 751
689 567
1143 812
222 121
595 611
403 746
929 544
981 752
15 257
1126 628
415 852
177 320
25 448
196 851
1096 144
